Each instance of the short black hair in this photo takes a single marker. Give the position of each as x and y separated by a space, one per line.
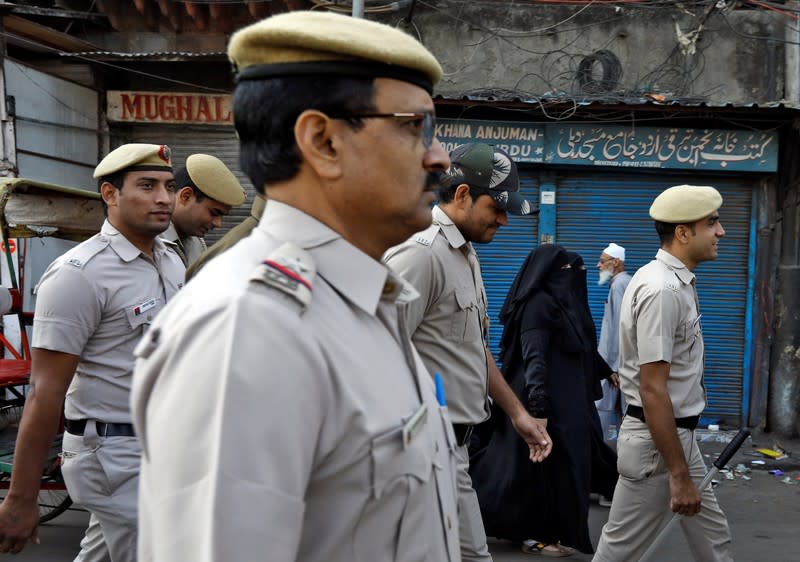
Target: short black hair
117 179
666 231
265 112
183 179
450 185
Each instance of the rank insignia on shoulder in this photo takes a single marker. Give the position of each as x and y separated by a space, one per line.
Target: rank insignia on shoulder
76 262
290 270
427 236
672 286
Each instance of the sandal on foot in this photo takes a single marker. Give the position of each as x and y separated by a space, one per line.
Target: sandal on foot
552 550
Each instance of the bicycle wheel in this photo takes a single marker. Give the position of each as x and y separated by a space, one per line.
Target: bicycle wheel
53 496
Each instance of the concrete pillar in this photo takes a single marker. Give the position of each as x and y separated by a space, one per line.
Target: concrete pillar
792 59
784 388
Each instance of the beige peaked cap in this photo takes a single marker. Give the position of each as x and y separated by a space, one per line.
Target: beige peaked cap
685 203
283 45
133 157
214 179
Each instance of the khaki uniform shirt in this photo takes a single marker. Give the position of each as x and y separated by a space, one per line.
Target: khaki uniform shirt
449 322
96 301
274 430
660 321
188 249
241 230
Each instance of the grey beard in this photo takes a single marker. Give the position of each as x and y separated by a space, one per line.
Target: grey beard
605 277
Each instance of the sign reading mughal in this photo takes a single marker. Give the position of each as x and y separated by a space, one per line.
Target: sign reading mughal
169 107
630 147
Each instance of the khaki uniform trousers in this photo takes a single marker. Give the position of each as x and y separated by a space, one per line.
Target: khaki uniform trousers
102 475
641 501
470 523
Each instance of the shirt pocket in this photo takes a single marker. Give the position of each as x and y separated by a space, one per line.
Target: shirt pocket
142 313
692 334
466 322
394 521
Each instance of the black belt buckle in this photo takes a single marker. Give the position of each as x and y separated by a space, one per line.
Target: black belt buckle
78 427
463 433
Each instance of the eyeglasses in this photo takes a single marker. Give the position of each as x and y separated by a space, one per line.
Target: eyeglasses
428 121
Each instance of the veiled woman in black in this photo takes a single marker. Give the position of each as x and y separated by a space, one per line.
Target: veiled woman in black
549 356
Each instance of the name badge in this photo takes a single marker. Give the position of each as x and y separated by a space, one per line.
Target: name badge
144 307
414 425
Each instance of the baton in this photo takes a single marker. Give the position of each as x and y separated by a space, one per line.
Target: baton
716 466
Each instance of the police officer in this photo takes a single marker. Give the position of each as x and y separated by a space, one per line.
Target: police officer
449 322
282 408
207 190
93 304
241 230
661 375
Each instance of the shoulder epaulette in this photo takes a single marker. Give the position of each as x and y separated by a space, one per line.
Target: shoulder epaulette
427 236
288 269
83 253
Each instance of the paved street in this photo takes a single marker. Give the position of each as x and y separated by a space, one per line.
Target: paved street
764 513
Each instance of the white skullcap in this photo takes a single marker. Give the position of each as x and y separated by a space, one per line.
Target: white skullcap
615 251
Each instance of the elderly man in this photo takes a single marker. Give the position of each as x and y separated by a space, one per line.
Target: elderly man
207 190
611 268
449 324
93 305
283 410
661 374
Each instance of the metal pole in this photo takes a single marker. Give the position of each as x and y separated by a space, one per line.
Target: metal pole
358 9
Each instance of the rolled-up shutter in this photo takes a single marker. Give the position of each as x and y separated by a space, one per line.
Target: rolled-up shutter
595 209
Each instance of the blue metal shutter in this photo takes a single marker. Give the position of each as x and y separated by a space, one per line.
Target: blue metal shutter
502 258
595 209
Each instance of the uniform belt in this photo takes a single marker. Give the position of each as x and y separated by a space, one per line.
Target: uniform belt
463 433
689 422
78 427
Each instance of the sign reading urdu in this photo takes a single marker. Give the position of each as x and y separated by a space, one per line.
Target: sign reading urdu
523 141
169 107
661 147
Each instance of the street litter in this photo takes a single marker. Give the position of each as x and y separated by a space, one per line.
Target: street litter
776 472
788 480
757 462
772 453
741 469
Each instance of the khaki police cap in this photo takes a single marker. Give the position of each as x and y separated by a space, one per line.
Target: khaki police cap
134 157
308 43
685 203
214 179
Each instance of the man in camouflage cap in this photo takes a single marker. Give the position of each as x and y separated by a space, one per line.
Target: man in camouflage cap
93 305
313 431
206 192
661 375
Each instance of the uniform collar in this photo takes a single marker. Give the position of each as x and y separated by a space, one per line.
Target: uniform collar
675 265
448 227
258 207
355 275
123 247
170 234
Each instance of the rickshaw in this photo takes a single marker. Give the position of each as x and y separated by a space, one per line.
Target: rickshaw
33 209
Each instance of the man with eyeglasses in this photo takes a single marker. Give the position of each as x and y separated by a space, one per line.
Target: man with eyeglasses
313 431
449 323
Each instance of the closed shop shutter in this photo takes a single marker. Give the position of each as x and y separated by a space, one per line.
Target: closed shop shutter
502 258
595 209
187 140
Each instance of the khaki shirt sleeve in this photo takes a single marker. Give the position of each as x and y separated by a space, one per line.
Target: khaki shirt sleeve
68 310
418 265
249 434
657 315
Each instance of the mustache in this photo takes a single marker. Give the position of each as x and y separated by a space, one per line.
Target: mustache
434 180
